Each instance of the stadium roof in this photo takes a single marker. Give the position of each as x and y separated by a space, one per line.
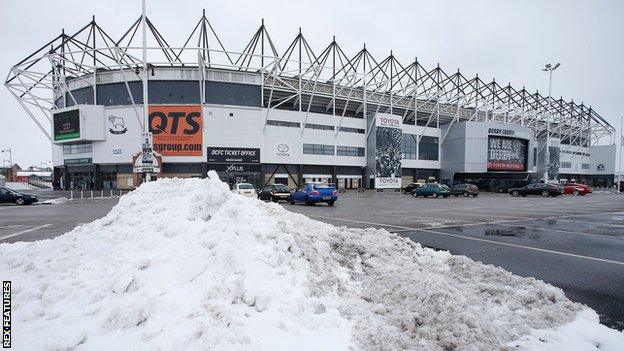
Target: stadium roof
299 79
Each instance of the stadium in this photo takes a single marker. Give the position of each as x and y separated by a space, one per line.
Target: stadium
263 116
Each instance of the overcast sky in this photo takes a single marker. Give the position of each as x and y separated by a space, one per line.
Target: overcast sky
508 40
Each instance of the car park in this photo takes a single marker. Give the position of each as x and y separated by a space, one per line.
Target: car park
465 190
275 192
313 193
576 189
432 189
409 188
244 189
11 196
543 189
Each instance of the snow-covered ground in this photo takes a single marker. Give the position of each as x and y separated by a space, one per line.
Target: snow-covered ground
19 186
185 264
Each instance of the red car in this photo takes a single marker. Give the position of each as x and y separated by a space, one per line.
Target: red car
576 189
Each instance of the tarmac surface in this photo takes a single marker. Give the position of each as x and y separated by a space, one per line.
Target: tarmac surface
575 243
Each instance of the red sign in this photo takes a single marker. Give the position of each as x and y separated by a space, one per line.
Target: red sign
177 130
504 166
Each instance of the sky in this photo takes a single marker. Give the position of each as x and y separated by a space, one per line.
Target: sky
507 40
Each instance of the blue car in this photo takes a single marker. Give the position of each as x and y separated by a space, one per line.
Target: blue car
313 193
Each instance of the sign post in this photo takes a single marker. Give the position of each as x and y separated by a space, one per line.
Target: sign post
147 136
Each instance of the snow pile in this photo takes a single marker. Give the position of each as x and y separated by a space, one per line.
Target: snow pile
185 264
19 186
58 200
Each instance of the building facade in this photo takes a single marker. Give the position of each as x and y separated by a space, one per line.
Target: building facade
263 117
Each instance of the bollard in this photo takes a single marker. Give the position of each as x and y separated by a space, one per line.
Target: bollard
111 193
92 194
102 194
81 194
71 194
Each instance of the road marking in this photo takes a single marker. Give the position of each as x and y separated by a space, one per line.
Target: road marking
25 231
429 230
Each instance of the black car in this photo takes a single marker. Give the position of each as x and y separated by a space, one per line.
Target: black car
465 190
275 192
542 189
12 196
409 188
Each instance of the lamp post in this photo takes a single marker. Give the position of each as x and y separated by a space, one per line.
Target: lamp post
10 171
10 157
548 68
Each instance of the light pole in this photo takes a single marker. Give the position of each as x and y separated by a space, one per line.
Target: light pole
10 157
548 68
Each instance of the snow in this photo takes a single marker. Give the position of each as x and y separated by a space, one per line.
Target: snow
19 186
186 264
58 200
583 333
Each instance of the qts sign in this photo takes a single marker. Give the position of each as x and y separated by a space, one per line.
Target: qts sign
177 130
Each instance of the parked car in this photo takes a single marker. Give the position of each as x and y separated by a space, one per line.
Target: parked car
432 189
313 193
465 190
543 189
11 196
245 189
576 189
275 192
409 188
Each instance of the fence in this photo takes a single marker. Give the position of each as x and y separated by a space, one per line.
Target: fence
95 194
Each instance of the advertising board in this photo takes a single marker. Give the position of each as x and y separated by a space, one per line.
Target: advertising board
233 155
66 125
388 154
177 129
506 154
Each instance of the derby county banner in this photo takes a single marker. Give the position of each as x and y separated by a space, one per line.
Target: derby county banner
389 137
506 154
177 130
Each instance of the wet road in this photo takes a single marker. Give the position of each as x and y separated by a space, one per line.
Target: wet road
575 243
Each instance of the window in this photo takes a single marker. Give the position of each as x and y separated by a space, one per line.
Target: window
534 156
352 130
585 166
566 164
349 151
428 148
318 126
409 146
273 122
318 149
77 148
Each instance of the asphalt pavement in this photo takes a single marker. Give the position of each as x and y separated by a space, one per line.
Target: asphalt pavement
575 243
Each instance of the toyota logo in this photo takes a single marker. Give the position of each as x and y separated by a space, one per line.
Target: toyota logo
282 148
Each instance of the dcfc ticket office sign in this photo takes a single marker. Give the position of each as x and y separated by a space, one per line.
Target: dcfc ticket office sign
177 130
233 155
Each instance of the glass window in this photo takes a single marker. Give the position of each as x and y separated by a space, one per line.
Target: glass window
273 122
428 148
80 148
318 126
566 164
585 165
352 130
350 151
318 149
409 146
